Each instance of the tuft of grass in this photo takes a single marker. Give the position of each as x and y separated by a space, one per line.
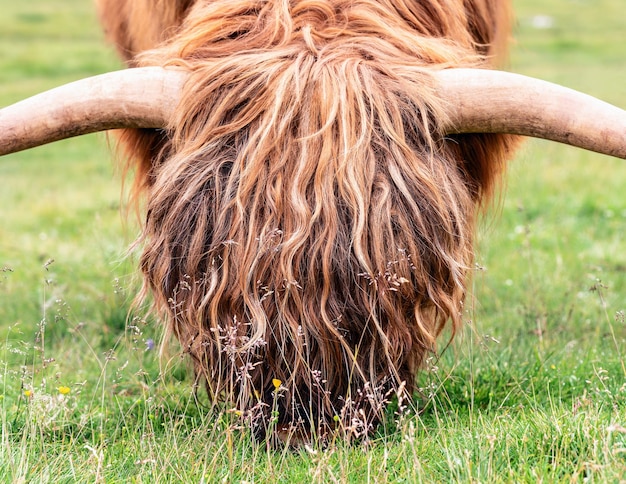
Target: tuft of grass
534 390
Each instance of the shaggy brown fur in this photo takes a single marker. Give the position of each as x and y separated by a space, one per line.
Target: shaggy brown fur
306 219
138 25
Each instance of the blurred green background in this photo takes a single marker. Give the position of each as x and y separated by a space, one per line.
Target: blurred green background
545 319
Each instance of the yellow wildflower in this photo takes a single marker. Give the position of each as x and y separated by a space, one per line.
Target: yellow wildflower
277 383
28 393
64 390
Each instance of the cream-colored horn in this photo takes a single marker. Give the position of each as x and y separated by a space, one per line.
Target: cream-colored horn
480 101
483 101
132 98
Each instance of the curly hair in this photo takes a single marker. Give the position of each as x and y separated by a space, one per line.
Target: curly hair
307 221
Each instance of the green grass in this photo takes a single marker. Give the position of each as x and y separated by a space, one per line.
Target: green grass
535 390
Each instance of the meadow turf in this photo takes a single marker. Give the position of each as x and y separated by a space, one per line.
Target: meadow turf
534 390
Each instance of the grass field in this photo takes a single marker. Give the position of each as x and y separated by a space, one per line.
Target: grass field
535 390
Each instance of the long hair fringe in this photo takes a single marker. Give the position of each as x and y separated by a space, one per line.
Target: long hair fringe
307 221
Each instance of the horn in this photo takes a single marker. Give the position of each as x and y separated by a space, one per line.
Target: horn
483 101
132 98
479 101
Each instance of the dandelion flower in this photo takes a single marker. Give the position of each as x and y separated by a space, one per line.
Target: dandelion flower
277 383
28 393
64 390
